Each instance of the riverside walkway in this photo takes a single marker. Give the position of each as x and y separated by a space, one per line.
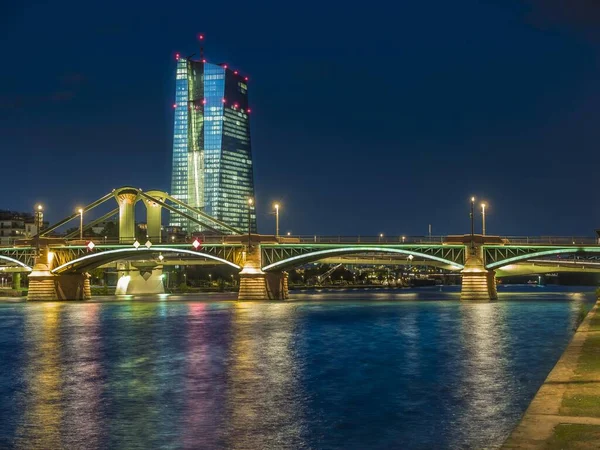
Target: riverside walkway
565 412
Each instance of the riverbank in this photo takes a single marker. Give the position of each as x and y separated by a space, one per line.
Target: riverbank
565 412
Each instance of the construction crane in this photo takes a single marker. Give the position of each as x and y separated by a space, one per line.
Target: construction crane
327 274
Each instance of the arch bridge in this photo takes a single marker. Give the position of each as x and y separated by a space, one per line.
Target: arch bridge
58 266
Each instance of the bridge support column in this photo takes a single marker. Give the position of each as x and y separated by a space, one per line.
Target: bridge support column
154 216
16 281
126 198
258 285
478 283
140 281
41 280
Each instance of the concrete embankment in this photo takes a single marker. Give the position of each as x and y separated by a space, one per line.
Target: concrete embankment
565 412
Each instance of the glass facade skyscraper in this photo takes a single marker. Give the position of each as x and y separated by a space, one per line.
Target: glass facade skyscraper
212 158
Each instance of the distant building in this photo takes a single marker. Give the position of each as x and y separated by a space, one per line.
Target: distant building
15 225
212 159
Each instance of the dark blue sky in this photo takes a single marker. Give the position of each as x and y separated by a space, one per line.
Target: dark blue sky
366 117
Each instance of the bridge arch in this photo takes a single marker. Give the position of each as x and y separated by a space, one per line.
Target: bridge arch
306 258
98 258
554 251
15 261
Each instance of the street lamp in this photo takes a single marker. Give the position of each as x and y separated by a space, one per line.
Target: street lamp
380 236
80 211
250 203
483 205
39 220
472 225
403 239
276 206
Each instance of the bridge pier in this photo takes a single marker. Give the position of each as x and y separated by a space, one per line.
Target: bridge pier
41 281
478 283
140 280
258 285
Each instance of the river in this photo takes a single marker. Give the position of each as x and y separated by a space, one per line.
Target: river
344 369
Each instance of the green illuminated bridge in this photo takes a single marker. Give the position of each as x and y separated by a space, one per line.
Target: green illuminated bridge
58 267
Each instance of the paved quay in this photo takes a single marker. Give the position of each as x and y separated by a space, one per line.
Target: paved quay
565 412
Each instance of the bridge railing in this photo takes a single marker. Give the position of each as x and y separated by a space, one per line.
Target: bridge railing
359 239
550 240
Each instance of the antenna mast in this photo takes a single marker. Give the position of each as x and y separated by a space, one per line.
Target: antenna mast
201 39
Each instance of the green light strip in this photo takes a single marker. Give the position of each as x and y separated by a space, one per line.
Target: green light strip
555 251
145 250
16 261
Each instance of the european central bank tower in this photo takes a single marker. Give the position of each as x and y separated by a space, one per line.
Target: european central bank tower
212 160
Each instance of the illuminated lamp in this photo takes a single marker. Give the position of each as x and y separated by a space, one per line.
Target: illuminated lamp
246 78
224 100
177 56
201 36
235 72
174 105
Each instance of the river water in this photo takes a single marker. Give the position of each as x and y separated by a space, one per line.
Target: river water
409 369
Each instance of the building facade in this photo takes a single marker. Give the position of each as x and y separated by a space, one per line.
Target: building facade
15 225
212 158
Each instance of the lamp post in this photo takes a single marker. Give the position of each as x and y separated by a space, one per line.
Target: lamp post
483 205
80 211
39 220
250 203
276 206
380 236
472 224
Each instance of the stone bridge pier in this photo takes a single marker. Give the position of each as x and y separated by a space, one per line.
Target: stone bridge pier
478 283
46 286
258 285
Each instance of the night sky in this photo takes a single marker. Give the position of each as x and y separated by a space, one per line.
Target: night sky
367 118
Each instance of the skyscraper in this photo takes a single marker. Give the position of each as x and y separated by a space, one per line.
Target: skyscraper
212 158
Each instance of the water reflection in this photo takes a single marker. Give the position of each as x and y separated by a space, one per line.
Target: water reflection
204 393
264 398
82 385
345 374
485 388
39 427
129 335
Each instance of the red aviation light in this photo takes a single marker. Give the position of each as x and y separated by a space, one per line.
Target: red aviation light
224 66
174 105
235 72
177 56
204 61
224 100
246 78
204 101
201 37
249 111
